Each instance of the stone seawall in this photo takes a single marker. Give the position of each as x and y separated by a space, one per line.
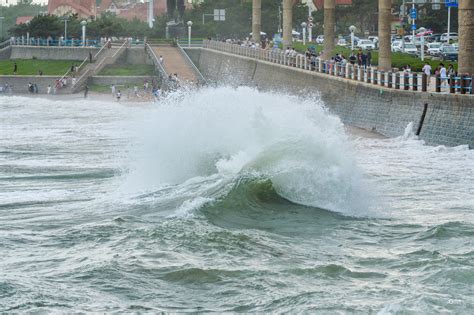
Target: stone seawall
449 119
19 84
51 53
122 80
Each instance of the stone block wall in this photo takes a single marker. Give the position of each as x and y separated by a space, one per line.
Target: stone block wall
51 53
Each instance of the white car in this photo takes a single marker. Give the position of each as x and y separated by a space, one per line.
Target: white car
397 46
434 49
320 39
452 36
366 44
411 49
342 42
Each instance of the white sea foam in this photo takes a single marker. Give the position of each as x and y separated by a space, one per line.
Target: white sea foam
243 132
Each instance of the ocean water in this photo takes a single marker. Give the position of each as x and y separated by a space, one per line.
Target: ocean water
227 200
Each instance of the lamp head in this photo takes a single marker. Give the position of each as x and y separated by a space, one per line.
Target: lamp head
352 28
190 23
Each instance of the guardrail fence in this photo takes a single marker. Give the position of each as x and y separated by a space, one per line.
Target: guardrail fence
408 81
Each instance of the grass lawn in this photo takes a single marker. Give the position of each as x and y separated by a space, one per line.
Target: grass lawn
399 60
128 70
32 66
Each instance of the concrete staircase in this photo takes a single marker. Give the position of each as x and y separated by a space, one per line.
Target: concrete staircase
104 57
175 61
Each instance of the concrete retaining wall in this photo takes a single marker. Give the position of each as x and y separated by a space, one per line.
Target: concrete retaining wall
109 80
449 118
5 53
52 53
19 84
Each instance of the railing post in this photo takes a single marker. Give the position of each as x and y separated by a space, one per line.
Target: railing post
348 69
438 83
359 73
463 84
306 62
390 79
382 78
452 84
320 65
397 81
415 81
406 81
375 77
424 82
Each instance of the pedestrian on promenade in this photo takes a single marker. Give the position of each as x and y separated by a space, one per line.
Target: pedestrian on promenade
427 71
161 60
369 59
444 75
119 95
90 57
364 60
86 91
72 68
15 68
48 90
113 90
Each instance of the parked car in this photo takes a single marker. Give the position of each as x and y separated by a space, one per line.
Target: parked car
435 38
320 39
434 49
366 44
452 36
449 53
342 42
375 40
397 46
411 49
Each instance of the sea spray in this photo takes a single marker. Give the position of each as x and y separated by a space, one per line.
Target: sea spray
235 133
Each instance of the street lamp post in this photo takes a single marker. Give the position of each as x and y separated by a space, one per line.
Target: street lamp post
84 23
190 24
303 25
352 29
65 28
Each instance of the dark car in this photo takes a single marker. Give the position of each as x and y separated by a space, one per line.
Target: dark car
434 38
449 53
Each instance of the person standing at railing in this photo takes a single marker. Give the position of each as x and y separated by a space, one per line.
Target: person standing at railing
427 71
15 68
444 75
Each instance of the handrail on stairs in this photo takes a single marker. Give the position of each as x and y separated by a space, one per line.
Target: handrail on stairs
82 64
190 62
157 62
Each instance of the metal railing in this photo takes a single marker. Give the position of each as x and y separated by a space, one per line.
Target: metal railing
202 80
30 41
394 79
159 67
5 44
77 85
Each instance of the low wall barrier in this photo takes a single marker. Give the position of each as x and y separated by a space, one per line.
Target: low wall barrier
394 79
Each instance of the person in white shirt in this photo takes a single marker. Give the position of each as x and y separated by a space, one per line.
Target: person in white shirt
443 75
427 70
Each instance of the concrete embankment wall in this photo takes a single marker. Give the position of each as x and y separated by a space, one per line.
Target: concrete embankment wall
128 80
51 53
5 53
449 119
19 84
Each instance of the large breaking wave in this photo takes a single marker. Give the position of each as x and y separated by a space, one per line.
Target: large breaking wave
197 147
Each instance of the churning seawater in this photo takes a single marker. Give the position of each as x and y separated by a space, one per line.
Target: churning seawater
227 200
